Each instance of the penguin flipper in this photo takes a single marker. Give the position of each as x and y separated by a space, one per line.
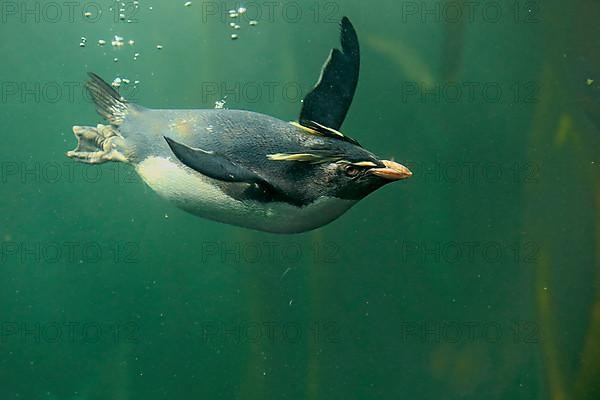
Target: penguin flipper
330 99
212 164
219 167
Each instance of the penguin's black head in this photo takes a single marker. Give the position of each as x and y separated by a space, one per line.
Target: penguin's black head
353 180
341 170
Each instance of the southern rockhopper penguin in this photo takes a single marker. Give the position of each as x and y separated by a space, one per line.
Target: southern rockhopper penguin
245 168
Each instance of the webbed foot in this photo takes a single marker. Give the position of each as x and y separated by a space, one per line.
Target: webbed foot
97 145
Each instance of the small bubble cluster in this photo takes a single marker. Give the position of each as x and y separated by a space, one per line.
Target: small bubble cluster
117 41
118 82
235 25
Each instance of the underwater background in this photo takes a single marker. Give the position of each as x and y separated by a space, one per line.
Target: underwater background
477 278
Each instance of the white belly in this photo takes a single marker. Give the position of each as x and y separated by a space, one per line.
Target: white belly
197 194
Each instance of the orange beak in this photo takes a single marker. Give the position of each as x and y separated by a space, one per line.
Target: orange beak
392 171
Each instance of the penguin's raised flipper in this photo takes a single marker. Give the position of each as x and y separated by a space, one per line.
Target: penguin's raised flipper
329 101
212 164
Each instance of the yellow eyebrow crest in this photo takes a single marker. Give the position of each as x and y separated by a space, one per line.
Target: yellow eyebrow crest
330 130
365 164
307 157
316 129
306 129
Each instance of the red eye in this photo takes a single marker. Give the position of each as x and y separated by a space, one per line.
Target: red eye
351 170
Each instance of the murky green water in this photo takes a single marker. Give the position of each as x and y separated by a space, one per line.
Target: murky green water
477 278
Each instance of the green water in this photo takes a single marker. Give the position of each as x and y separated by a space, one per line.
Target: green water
476 279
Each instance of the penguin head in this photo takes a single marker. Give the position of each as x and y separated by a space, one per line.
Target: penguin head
354 180
337 169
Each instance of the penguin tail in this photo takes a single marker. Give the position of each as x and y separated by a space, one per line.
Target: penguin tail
109 103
